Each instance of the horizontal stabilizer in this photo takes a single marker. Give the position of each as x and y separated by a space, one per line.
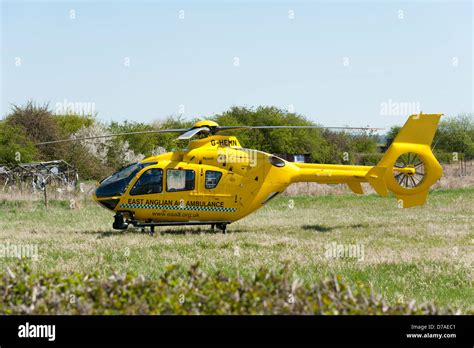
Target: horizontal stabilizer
356 187
375 177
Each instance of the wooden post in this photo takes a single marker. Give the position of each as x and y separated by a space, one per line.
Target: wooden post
45 196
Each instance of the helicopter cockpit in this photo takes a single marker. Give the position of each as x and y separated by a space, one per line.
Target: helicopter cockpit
116 184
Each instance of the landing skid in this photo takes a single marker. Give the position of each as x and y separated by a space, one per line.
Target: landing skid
221 225
121 224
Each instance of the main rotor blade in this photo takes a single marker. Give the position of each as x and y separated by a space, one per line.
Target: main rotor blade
114 135
226 128
189 133
192 132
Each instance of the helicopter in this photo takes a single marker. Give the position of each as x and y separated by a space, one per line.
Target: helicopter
216 181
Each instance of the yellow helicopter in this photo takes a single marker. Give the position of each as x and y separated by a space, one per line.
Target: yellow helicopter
216 181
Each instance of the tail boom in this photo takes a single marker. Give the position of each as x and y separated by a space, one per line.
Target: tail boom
407 169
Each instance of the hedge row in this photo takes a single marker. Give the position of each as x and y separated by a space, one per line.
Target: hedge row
189 292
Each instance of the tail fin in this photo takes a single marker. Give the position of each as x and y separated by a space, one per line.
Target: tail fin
409 168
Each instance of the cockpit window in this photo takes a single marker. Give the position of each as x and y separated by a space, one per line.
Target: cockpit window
179 180
150 181
116 184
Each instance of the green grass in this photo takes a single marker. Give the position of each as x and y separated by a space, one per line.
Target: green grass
424 253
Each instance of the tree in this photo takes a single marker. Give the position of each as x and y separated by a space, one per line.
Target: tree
277 141
71 123
15 147
364 142
168 141
39 125
339 148
456 134
99 157
139 143
391 134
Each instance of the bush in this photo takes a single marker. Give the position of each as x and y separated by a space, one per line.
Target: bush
456 134
191 292
368 159
140 143
278 141
448 157
38 123
14 145
71 123
168 141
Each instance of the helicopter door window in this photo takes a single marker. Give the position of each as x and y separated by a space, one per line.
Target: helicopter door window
179 180
149 182
212 179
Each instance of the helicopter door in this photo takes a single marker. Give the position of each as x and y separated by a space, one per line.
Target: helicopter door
180 180
244 185
151 181
232 186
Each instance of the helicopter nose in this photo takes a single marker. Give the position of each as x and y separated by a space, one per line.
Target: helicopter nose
109 189
112 187
108 203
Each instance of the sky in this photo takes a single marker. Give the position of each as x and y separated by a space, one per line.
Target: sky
343 63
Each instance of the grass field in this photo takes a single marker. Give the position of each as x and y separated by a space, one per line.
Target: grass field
424 253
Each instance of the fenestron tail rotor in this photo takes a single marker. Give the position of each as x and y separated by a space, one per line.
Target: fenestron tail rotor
409 170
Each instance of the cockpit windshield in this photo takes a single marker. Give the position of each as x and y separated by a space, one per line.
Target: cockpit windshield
116 184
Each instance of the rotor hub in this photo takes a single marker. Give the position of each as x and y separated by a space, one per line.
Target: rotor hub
409 170
206 123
